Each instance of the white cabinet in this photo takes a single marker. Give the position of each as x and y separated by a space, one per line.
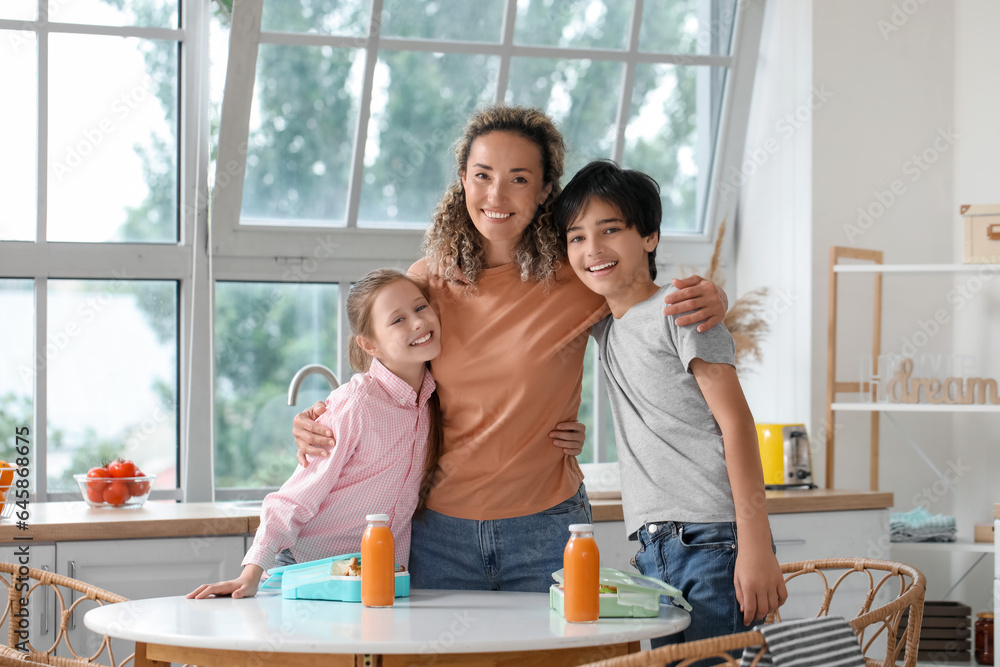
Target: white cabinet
42 623
144 569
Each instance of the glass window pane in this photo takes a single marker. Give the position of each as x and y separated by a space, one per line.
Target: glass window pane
420 103
445 19
19 135
573 23
112 171
302 129
111 359
673 122
703 27
256 356
147 13
218 55
19 10
17 340
581 96
346 17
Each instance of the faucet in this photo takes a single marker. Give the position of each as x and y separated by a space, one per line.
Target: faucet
300 375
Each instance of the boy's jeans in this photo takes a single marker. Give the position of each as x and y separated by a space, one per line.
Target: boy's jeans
699 559
517 554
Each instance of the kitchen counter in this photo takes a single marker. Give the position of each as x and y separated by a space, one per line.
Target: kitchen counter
783 502
54 522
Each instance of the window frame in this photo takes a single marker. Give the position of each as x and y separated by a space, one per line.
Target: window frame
42 260
359 249
228 251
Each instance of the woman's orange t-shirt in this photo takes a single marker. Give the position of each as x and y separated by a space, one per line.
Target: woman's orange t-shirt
510 369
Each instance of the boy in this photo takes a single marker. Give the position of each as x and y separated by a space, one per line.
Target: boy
692 484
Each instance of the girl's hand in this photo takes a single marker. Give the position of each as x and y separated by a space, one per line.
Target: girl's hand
570 436
760 586
311 438
245 586
702 301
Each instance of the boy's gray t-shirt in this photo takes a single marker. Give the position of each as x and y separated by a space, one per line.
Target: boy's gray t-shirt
673 467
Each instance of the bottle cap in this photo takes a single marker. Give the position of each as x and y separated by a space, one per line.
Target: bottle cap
581 528
377 517
985 614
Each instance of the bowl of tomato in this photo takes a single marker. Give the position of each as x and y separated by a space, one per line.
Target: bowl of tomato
119 484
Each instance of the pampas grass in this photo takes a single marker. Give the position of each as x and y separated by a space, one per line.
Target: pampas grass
744 319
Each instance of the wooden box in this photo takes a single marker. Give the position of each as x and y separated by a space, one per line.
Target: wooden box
945 632
982 234
984 532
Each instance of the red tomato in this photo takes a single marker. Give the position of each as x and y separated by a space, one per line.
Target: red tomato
96 484
138 487
121 468
116 493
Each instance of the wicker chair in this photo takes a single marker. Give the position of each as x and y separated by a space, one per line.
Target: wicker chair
869 624
10 576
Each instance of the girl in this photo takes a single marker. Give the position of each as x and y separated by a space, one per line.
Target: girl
387 428
508 483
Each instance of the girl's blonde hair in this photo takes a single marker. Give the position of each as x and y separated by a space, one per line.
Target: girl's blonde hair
452 240
359 316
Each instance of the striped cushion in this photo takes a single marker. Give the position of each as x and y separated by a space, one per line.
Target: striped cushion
811 642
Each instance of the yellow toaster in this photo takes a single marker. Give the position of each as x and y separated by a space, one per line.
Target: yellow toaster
785 456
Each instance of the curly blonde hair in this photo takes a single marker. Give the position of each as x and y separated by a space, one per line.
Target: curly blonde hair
453 242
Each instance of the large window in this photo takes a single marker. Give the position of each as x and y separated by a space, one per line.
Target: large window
96 252
319 133
348 116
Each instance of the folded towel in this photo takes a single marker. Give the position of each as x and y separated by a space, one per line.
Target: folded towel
811 642
919 525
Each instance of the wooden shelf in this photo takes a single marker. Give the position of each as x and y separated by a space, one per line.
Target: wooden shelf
914 268
959 545
913 407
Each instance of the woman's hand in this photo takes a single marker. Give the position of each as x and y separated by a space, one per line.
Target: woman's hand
570 436
311 438
244 586
435 270
701 300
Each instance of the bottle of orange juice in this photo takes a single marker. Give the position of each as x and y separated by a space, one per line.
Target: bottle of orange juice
581 570
378 577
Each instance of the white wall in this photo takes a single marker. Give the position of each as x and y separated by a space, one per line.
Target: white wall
903 128
976 439
774 235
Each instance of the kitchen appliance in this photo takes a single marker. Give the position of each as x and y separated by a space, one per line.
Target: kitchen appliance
785 456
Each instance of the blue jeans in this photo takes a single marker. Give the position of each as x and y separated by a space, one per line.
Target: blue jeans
700 560
517 554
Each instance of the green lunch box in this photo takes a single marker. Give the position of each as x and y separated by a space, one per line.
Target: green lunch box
636 596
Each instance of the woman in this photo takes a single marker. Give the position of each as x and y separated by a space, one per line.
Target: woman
510 372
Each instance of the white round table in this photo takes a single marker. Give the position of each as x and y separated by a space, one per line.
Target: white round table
430 624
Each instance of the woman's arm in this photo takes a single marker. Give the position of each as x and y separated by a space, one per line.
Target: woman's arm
700 300
311 437
760 586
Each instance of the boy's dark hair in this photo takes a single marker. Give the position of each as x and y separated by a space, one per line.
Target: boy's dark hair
635 194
